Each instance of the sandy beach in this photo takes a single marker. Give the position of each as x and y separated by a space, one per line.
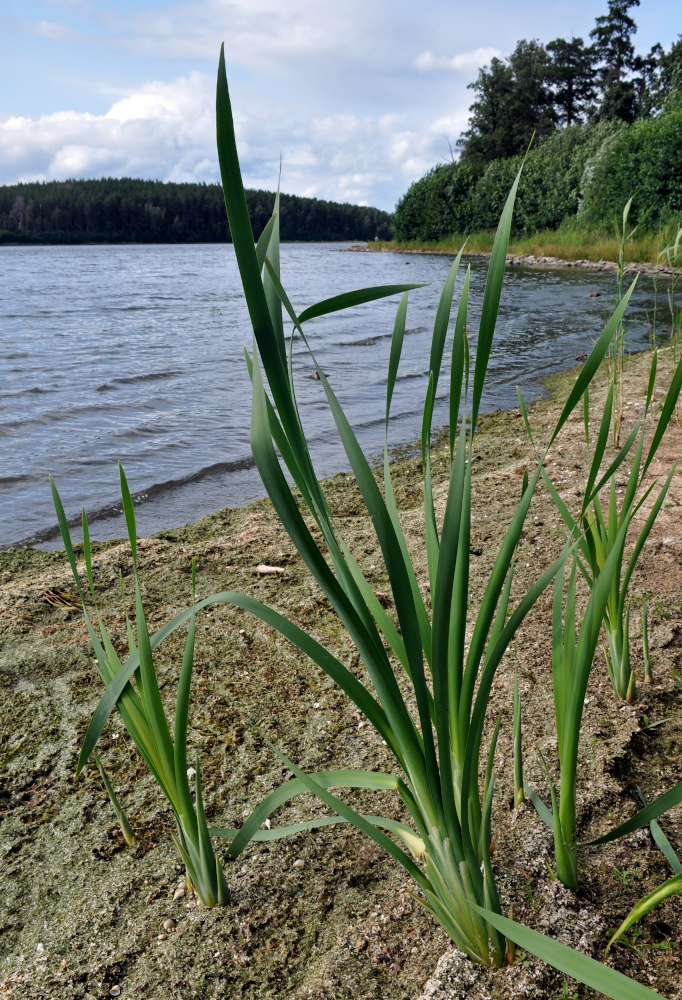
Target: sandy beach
324 914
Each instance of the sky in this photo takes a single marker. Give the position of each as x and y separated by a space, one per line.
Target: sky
359 98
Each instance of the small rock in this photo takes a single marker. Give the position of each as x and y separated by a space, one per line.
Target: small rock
299 863
263 570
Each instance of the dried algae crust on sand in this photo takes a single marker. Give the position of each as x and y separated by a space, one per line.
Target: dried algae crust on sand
342 925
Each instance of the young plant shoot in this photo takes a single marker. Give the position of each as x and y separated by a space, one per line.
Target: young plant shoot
603 529
430 666
139 704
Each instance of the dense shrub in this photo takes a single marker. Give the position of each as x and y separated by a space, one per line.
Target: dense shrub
640 161
585 171
437 205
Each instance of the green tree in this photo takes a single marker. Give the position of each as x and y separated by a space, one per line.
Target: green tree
571 76
647 69
489 135
612 36
670 76
513 101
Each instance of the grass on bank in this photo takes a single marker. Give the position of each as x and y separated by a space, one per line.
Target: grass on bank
569 242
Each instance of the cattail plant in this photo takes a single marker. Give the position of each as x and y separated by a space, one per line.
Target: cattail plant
133 688
443 782
602 530
430 668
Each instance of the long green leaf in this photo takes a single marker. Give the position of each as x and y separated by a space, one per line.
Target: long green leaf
409 838
669 888
665 415
354 817
666 801
573 963
594 359
491 299
357 297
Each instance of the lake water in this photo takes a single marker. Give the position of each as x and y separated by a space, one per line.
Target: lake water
135 353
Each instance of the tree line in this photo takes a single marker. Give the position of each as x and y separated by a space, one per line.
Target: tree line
135 211
606 122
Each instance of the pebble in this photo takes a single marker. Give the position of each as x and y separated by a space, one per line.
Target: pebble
115 991
299 863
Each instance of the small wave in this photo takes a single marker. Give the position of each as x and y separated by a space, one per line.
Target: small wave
134 379
12 480
409 376
36 390
113 509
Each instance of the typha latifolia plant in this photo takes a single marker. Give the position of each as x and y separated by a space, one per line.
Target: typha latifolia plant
601 534
437 747
603 526
444 777
132 687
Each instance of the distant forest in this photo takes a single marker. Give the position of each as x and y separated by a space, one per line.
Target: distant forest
607 127
136 211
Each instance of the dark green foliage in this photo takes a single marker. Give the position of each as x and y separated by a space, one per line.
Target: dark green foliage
513 102
595 161
648 90
549 191
610 149
639 161
437 205
571 74
136 211
612 36
670 76
490 116
452 199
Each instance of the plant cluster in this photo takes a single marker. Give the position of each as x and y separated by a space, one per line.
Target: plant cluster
430 666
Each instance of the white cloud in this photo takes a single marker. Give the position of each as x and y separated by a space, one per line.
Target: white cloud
336 92
461 62
50 29
257 32
166 131
161 131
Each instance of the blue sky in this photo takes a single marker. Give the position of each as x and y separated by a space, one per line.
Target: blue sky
360 98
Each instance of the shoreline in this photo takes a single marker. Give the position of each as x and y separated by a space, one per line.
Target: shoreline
530 260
